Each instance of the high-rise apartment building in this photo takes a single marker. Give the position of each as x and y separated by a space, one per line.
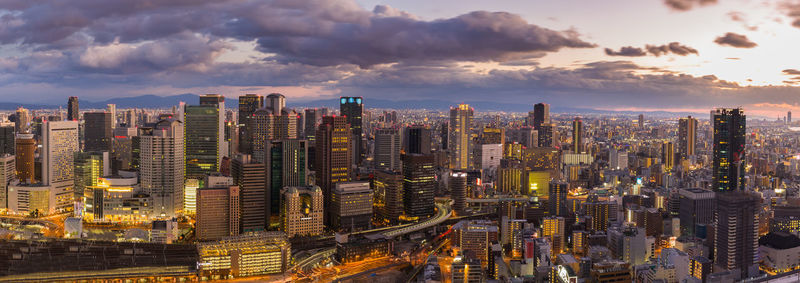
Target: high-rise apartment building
250 176
687 136
7 173
98 131
248 104
557 201
460 139
353 109
668 155
553 228
387 149
161 166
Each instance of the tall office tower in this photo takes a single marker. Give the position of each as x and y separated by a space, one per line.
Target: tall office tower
696 208
26 158
577 136
98 131
7 137
443 135
541 114
736 233
73 111
458 192
389 187
205 136
417 139
267 125
333 155
687 136
526 136
275 102
112 108
547 135
789 117
668 155
59 144
419 183
122 148
23 122
460 139
641 121
89 168
302 211
387 149
248 104
130 119
286 166
312 118
250 176
729 145
557 202
217 213
599 213
161 166
351 206
353 109
553 228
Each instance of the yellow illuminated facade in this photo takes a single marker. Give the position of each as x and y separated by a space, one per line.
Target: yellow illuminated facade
246 255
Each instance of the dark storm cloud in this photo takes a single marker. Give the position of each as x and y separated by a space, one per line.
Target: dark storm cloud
656 50
791 72
686 5
735 40
324 32
629 51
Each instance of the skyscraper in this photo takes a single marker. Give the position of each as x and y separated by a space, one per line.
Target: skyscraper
789 118
161 166
557 202
267 125
26 158
641 121
577 136
302 211
687 136
389 188
7 140
547 135
460 140
98 131
351 206
23 122
736 214
217 213
353 109
419 183
59 143
696 207
417 139
541 114
248 104
276 102
286 166
312 118
250 177
729 145
333 154
89 168
387 149
73 111
668 155
205 136
458 191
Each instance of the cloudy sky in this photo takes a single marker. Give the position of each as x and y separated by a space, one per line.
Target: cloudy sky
673 55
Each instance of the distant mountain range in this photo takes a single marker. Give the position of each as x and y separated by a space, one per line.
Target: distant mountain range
155 101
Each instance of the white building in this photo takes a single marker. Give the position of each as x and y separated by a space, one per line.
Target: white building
162 167
7 174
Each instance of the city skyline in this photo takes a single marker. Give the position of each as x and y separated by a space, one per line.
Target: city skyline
403 50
